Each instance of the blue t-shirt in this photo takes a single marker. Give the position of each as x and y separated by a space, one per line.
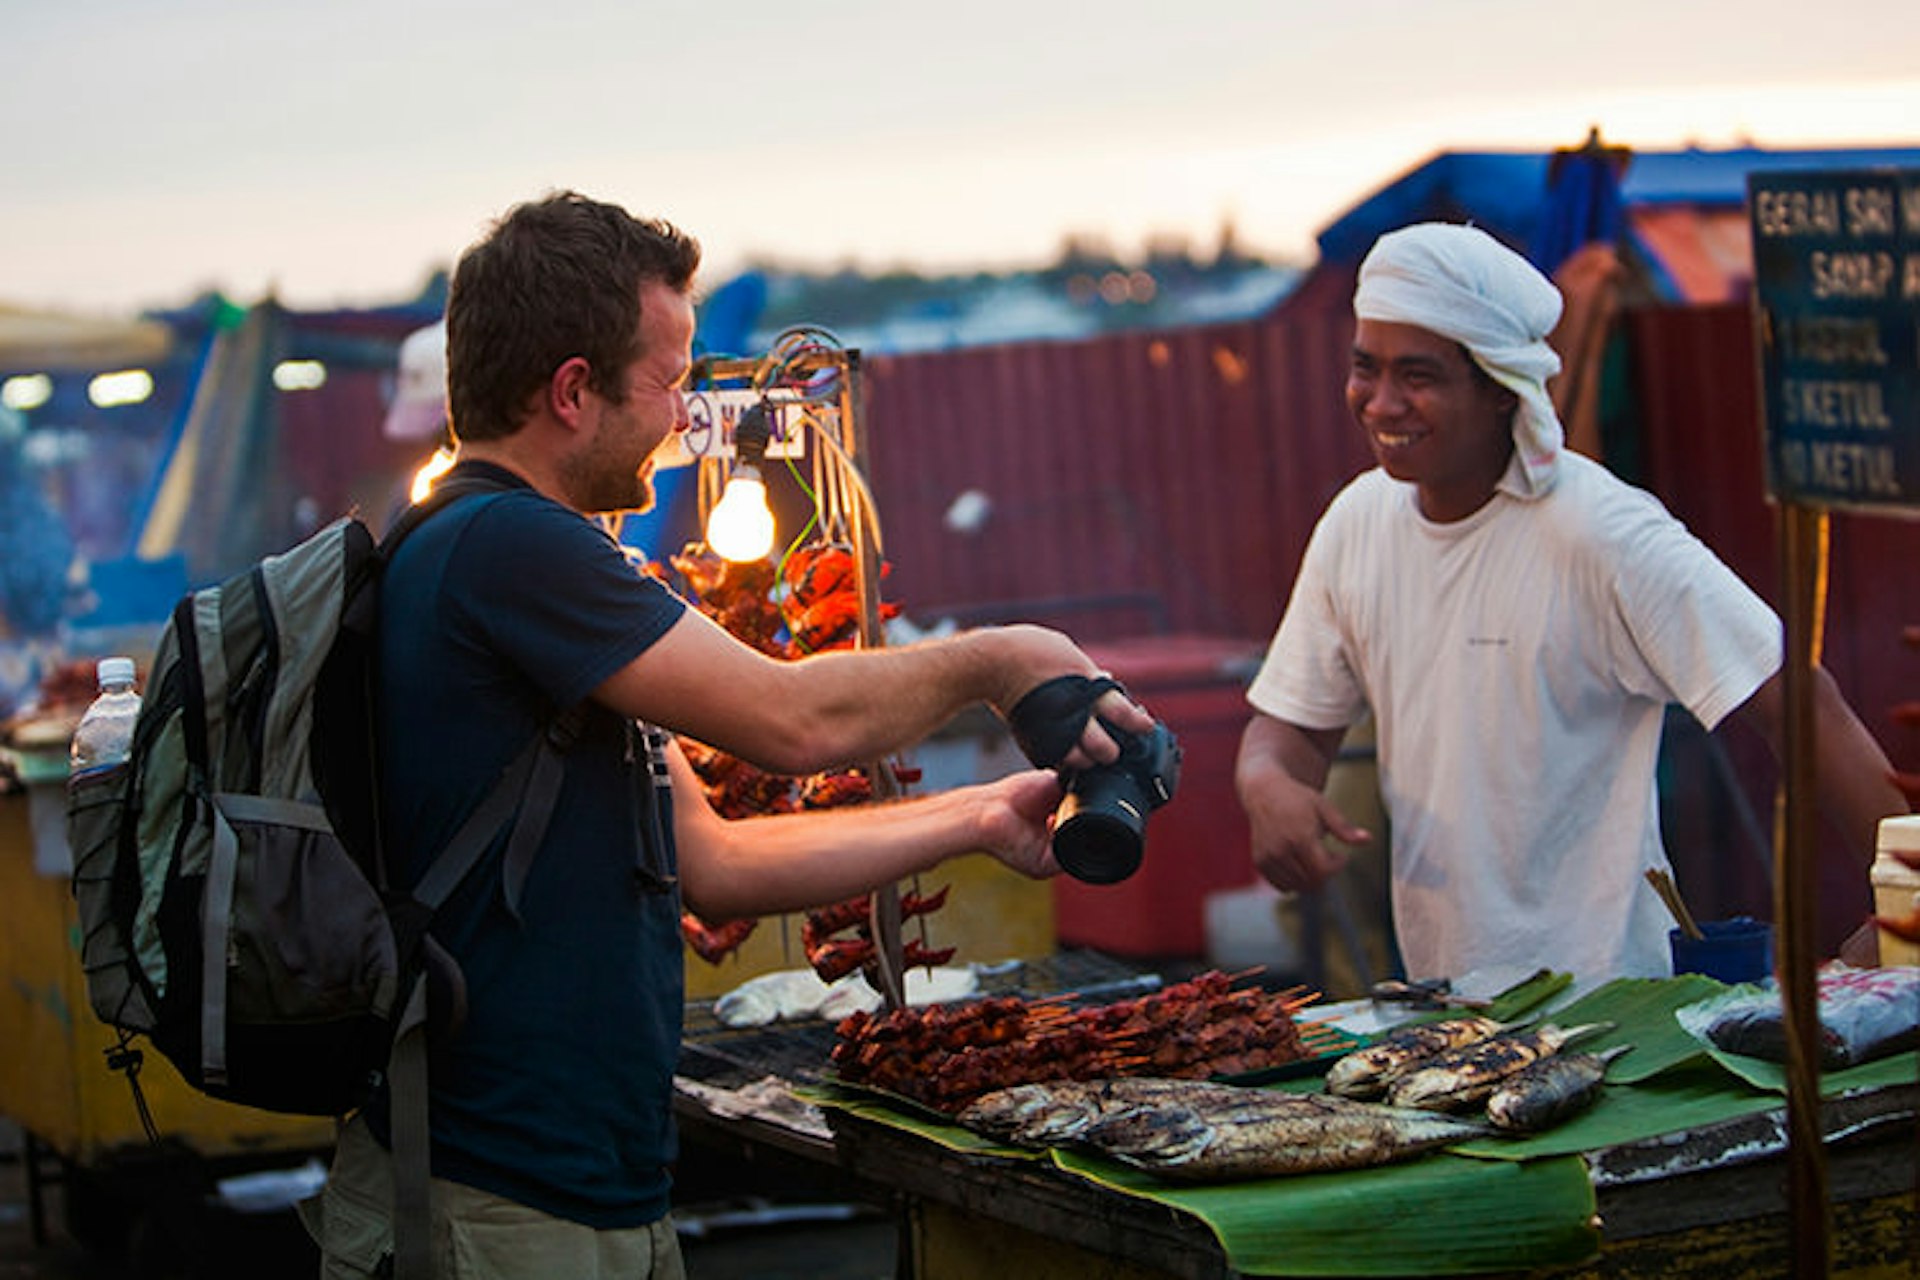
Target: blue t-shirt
497 612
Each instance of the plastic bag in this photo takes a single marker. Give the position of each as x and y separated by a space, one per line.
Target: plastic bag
1864 1014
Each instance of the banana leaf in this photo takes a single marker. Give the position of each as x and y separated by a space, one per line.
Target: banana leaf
1488 1205
905 1114
1689 1096
1438 1215
1670 1082
1900 1068
1641 1011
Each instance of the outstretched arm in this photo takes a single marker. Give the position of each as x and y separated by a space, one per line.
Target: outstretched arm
757 866
1851 772
848 706
1280 774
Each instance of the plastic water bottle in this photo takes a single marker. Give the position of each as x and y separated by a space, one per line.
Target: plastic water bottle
104 736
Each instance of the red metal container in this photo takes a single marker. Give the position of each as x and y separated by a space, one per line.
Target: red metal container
1198 843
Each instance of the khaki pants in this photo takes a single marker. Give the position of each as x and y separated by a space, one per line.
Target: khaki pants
476 1236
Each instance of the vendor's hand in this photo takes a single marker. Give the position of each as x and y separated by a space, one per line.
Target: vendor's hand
1288 820
1016 821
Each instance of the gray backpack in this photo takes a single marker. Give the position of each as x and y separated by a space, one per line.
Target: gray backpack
233 899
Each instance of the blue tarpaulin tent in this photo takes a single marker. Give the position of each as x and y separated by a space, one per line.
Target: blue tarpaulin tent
1506 192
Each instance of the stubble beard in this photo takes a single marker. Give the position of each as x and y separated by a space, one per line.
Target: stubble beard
604 484
615 495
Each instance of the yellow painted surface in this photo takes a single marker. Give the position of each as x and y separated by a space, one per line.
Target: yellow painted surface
991 914
950 1244
1872 1239
53 1077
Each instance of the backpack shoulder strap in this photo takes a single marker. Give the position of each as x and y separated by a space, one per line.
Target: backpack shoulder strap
457 485
524 794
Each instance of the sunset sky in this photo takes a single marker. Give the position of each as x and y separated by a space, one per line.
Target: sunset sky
336 153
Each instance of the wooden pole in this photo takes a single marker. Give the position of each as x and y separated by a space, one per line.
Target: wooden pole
1796 894
886 920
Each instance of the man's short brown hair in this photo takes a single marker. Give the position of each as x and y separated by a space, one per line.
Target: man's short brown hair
553 279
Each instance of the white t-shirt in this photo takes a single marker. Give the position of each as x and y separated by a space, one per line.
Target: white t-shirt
1518 663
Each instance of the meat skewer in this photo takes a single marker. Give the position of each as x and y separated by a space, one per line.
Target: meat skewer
944 1057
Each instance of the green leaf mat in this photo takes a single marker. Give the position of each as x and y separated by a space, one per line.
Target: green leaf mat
904 1114
1439 1215
1495 1204
1670 1081
1899 1068
1686 1097
1641 1010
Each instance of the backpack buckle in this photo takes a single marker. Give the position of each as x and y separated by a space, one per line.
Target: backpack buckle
564 730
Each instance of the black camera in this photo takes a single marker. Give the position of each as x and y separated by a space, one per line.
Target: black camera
1099 830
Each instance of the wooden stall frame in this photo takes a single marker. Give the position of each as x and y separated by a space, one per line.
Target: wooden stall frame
797 359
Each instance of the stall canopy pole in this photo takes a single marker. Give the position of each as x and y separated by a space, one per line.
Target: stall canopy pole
1796 891
887 940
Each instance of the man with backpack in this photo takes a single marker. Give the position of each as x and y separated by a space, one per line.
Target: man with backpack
508 616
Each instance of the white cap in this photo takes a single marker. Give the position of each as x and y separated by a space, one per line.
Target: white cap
115 671
1901 832
420 393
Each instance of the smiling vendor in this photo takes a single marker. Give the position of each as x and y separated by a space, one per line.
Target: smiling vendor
1517 619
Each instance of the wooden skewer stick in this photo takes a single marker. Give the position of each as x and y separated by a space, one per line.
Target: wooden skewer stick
1663 885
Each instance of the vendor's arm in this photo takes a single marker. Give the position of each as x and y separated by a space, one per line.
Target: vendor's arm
1851 772
1280 775
846 707
758 866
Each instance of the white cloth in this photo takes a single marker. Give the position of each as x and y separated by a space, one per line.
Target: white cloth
1461 283
1518 663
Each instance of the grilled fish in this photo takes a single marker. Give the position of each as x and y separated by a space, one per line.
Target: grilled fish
1054 1113
1552 1090
1462 1078
1266 1134
1366 1073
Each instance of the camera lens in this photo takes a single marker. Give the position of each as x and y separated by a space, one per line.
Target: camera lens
1099 830
1099 843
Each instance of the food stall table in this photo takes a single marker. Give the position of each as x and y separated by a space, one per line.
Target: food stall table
1707 1202
1707 1196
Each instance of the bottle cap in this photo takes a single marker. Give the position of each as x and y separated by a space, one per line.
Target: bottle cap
115 670
1901 832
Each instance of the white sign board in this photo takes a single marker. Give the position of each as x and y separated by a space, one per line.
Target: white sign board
713 414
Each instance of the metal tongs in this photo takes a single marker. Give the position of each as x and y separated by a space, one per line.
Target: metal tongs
1427 993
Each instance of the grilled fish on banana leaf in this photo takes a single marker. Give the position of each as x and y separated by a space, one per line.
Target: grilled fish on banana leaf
1545 1093
1200 1132
1055 1113
1462 1078
1366 1073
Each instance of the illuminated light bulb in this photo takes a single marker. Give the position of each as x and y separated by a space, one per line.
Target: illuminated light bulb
740 527
432 469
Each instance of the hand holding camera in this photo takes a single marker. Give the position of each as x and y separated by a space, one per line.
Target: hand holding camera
1099 832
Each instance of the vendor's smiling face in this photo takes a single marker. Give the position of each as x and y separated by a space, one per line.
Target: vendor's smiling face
1433 417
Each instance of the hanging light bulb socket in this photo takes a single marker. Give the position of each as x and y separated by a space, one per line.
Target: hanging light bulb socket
740 526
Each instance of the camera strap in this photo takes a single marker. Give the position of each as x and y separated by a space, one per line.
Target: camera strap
1048 720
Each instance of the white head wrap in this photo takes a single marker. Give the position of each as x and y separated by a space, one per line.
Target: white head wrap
1461 283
